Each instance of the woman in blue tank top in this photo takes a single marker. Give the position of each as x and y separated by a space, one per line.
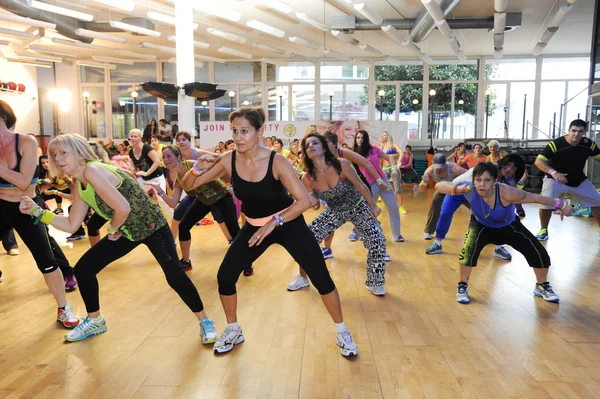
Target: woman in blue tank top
494 222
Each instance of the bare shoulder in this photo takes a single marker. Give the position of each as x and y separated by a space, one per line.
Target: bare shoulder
345 163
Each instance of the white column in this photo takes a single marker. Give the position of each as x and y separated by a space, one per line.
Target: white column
185 64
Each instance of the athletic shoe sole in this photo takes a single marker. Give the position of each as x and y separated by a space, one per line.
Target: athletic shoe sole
209 341
541 296
95 331
299 288
225 349
70 289
66 325
502 256
463 301
328 256
437 251
76 238
346 352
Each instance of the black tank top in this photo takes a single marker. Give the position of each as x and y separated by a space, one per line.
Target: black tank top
263 198
17 167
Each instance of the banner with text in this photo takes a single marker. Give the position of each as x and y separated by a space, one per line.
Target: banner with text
213 132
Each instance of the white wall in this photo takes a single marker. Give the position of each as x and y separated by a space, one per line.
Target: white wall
67 78
24 105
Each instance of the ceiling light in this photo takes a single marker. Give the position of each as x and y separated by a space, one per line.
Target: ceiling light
227 35
268 48
231 51
410 46
167 19
571 1
304 42
342 36
29 62
61 10
364 64
538 49
12 32
547 35
434 10
368 13
26 21
301 57
217 11
40 57
394 34
333 53
173 60
198 44
454 44
500 5
36 47
274 62
426 58
136 55
207 58
461 55
444 28
498 52
134 28
113 59
126 5
278 6
76 44
499 22
95 64
499 40
311 21
369 49
157 47
99 35
561 14
265 28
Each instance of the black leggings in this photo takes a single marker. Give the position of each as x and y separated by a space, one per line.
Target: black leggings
47 197
162 246
294 236
198 210
9 241
94 224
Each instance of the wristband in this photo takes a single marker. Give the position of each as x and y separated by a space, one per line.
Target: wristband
35 208
37 219
558 204
379 181
278 219
196 171
229 187
453 189
111 230
47 217
520 185
550 171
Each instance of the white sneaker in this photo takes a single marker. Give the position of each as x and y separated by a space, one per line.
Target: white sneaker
462 293
346 343
545 291
87 328
376 290
67 317
207 331
427 236
387 258
297 283
230 336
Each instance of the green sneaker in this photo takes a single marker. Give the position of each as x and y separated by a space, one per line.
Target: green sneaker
542 235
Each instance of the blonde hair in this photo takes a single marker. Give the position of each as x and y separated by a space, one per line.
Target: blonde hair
389 144
136 131
72 144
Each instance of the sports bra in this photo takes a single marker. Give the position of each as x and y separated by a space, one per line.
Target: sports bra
17 167
391 151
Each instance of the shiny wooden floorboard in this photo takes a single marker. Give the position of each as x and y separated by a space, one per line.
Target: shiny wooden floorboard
416 342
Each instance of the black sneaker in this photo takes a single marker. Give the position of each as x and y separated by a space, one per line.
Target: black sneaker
249 271
75 237
186 265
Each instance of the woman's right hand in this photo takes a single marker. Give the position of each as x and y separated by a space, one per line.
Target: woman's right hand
26 205
375 211
157 188
462 188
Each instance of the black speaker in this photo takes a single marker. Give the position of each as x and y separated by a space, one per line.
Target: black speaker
166 91
203 91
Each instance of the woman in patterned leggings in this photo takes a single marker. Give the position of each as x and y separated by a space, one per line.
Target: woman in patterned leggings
348 200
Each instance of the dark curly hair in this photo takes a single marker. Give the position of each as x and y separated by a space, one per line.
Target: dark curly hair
516 160
365 148
330 159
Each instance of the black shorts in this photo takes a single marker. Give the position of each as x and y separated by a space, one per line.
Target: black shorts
515 234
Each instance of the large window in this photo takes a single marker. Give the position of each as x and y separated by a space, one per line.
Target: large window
356 106
520 69
440 118
226 104
296 72
237 72
92 75
303 102
170 73
411 71
565 68
454 71
385 106
123 110
495 111
332 107
521 100
94 116
278 109
410 106
138 72
465 110
336 70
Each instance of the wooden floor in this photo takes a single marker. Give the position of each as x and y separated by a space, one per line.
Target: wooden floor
416 342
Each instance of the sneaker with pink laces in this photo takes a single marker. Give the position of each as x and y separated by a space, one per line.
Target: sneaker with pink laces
67 317
70 283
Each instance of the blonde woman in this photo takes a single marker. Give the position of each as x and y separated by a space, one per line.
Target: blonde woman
133 220
393 151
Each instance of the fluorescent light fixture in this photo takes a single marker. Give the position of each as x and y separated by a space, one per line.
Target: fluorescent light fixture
61 10
26 21
112 59
265 28
303 42
571 1
198 44
227 35
368 13
157 47
364 64
274 62
499 22
277 6
75 44
410 46
95 64
498 39
51 50
444 28
40 57
461 55
173 60
301 57
498 52
207 58
134 28
220 12
342 36
25 61
500 5
18 33
561 14
394 34
99 35
333 53
311 21
237 53
167 19
538 49
136 55
369 49
454 44
126 5
267 48
426 58
547 36
434 10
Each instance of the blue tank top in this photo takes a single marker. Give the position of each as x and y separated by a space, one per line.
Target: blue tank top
497 217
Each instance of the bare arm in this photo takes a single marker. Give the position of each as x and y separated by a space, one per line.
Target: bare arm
446 187
191 181
457 170
155 163
350 173
104 182
425 179
360 160
316 204
545 167
22 179
77 213
173 200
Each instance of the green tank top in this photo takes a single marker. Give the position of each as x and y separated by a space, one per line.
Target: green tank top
145 217
209 193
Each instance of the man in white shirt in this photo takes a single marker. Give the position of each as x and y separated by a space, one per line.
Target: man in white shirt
165 132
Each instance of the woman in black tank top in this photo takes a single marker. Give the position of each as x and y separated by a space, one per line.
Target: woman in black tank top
261 180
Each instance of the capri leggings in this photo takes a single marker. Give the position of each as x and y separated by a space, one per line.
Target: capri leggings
162 246
294 236
94 224
185 204
57 198
450 204
198 210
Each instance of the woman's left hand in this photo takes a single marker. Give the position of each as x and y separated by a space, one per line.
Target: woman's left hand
141 173
262 233
26 205
115 236
375 211
384 186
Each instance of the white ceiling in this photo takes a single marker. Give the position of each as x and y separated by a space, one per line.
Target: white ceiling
573 37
